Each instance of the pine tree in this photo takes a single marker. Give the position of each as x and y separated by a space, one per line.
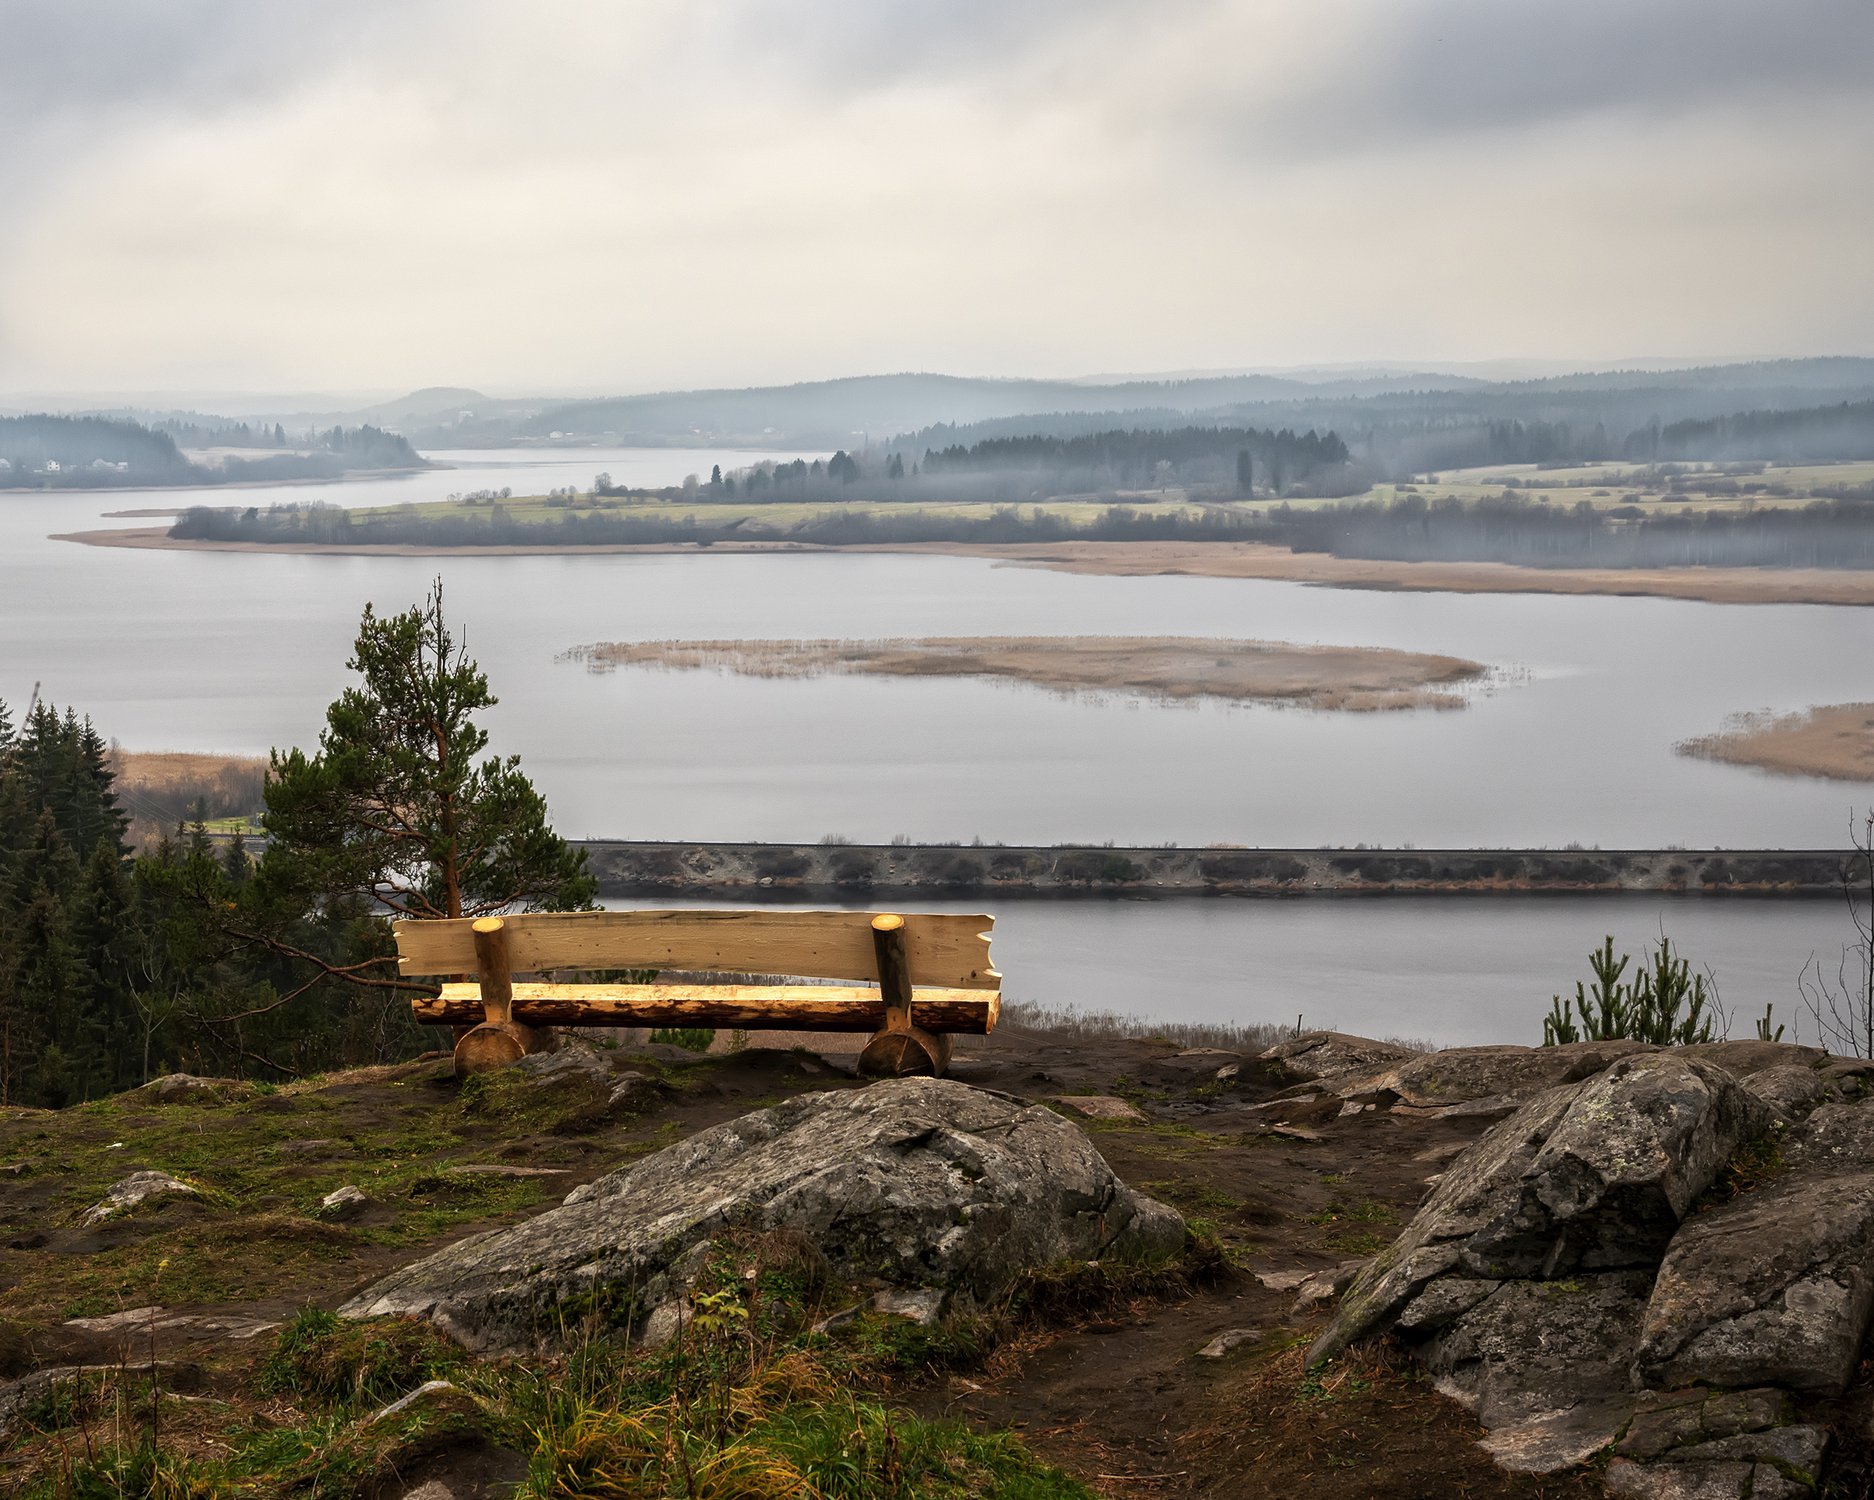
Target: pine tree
395 810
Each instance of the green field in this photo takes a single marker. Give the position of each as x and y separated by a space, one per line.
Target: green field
546 511
1605 486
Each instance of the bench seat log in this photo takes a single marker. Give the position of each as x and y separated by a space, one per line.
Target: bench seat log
792 1007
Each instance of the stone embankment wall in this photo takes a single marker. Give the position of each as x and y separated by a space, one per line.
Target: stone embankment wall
867 871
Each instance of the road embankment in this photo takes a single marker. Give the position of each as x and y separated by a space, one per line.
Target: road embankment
873 872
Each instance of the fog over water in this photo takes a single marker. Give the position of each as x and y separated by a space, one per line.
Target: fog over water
1572 741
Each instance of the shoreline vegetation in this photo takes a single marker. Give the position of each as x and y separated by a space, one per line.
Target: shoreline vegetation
86 453
1832 741
1228 503
1347 678
1247 560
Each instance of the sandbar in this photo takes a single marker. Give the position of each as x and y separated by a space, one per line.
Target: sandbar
1835 741
1356 678
1156 559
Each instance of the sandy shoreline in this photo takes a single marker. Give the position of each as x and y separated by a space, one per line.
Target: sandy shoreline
346 477
1250 560
1835 741
1356 678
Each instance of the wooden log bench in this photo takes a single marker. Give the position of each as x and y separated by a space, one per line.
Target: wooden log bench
930 976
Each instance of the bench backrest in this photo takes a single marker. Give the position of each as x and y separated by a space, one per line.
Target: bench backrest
942 949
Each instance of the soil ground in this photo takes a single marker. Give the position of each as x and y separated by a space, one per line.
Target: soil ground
1120 1399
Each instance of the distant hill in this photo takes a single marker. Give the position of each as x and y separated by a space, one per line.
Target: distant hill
844 413
428 404
936 410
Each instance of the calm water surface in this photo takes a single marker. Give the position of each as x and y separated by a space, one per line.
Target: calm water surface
1455 971
1572 741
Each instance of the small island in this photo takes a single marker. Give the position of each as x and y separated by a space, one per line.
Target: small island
1833 740
1357 678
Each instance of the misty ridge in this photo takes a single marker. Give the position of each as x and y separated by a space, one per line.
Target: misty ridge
1400 436
1402 422
90 452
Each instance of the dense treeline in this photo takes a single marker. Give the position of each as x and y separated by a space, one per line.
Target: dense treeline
1227 462
1816 434
57 452
1239 458
218 432
331 525
1510 528
48 450
114 969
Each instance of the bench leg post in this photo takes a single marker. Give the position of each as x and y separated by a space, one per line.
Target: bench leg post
902 1049
499 1040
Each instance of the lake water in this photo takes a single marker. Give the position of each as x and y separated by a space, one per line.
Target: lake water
1455 971
1572 741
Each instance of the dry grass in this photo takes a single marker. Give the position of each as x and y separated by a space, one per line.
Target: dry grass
162 788
1258 560
1229 1036
1834 741
1174 667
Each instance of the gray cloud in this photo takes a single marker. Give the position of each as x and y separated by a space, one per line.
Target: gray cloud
854 45
1415 68
121 57
366 191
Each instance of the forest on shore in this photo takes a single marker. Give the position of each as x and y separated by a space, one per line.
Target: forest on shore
93 452
193 956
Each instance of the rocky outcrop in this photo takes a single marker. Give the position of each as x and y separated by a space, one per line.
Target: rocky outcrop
919 1185
1575 1279
1723 1444
1590 1176
1329 1054
1773 1288
129 1192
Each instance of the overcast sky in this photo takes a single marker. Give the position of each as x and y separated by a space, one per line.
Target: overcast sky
587 195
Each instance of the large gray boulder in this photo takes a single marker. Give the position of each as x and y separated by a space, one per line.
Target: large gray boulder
1543 1364
1593 1176
917 1183
1775 1287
